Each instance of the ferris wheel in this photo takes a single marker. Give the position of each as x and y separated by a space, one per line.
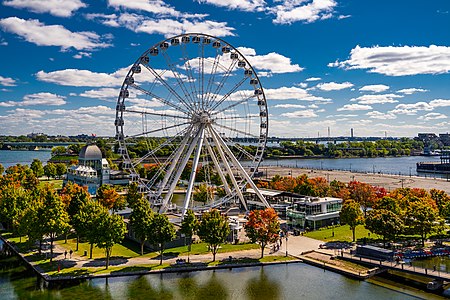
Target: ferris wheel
192 118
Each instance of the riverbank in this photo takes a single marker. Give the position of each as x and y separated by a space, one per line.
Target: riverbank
389 182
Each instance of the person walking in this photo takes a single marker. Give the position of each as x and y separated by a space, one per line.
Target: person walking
70 253
65 254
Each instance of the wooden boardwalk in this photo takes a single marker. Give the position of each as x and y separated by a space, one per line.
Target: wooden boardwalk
404 267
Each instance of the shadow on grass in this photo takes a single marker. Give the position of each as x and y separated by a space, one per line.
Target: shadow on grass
166 255
73 273
236 261
199 265
131 269
101 262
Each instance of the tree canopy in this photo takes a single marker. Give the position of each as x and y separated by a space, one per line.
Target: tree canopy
214 230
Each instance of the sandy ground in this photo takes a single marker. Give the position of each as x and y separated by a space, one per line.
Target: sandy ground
389 182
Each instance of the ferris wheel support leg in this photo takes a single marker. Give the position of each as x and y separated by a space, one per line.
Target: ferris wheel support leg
193 172
175 161
236 162
219 170
228 168
178 174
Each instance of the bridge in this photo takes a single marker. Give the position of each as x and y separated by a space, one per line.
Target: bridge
315 139
33 145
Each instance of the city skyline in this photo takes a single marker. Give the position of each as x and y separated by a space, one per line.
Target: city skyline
378 67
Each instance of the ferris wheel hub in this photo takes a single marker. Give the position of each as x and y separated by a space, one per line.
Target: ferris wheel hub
202 117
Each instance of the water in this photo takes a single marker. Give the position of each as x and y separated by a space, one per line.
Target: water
12 157
405 165
293 281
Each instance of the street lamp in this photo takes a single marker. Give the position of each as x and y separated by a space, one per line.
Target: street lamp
321 164
373 168
350 167
332 229
410 171
286 235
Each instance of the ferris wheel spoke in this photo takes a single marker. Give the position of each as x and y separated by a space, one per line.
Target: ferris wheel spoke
160 99
212 77
227 74
236 130
218 103
218 168
178 78
240 148
233 105
162 145
155 114
219 147
156 130
179 171
190 75
167 86
236 163
237 117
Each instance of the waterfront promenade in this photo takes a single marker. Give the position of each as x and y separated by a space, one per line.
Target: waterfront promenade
389 182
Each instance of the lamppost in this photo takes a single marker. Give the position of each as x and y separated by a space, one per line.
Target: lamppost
332 229
350 167
286 235
321 164
410 171
373 168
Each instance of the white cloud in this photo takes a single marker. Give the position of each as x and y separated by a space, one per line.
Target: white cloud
308 113
411 108
303 85
432 116
313 79
380 115
157 7
306 11
334 86
108 20
398 61
59 8
245 5
354 107
377 99
411 91
37 99
82 54
40 34
103 94
294 93
7 81
289 106
376 88
75 77
440 103
272 62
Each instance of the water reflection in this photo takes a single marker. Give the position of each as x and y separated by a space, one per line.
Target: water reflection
140 288
212 289
262 287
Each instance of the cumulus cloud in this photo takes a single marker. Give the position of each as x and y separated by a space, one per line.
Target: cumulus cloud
165 26
398 61
102 94
380 115
376 88
432 116
334 86
292 93
157 7
59 8
37 99
307 113
354 107
289 106
272 62
411 108
75 77
377 99
289 11
38 33
244 5
440 103
313 79
411 91
82 54
7 81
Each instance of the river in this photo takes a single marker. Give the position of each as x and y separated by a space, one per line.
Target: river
287 281
12 157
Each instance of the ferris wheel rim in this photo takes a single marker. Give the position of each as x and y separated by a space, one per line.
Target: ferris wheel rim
120 101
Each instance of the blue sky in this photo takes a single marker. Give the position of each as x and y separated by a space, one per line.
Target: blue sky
379 67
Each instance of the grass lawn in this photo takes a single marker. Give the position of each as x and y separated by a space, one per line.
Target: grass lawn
57 183
341 233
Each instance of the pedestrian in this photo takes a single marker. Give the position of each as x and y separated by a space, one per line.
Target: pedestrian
434 268
70 253
65 254
281 242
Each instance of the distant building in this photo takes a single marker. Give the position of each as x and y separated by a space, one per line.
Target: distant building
445 139
93 170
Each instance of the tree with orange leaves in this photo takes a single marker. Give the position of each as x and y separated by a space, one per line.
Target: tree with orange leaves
109 198
362 193
263 227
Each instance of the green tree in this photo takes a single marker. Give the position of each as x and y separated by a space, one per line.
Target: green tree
112 230
214 230
13 202
74 197
189 226
61 169
53 215
203 193
422 219
2 169
383 222
140 220
50 170
263 227
351 214
133 196
59 150
37 167
160 232
88 218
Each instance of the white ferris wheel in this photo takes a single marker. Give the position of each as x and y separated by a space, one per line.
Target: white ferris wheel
192 116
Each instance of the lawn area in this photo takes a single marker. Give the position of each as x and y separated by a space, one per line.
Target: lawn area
57 183
341 233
